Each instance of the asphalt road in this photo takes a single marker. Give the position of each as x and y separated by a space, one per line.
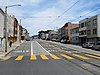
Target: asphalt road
44 64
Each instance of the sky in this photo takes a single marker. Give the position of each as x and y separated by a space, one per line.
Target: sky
39 15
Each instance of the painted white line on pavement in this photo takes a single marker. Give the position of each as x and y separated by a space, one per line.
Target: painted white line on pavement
31 48
43 48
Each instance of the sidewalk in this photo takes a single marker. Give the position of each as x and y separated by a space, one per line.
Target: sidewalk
9 49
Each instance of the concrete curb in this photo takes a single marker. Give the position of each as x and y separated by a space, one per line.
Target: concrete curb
12 50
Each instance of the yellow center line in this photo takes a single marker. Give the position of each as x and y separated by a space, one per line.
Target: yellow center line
65 56
19 58
33 57
44 57
92 56
77 55
54 57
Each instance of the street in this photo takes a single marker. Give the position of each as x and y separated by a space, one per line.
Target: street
41 57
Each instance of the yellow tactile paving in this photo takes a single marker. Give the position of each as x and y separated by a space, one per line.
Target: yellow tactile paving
65 56
44 57
33 57
19 58
92 56
77 55
54 56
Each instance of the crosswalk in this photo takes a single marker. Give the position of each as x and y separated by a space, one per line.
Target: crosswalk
47 57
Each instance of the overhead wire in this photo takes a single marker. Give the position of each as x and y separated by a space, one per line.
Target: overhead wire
86 14
63 13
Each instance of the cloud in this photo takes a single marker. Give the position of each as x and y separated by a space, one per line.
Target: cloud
24 2
39 14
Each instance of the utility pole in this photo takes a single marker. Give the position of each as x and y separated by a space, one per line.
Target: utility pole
5 25
20 33
5 28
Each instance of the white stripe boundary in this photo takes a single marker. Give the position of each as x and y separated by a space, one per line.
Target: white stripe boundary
44 49
31 48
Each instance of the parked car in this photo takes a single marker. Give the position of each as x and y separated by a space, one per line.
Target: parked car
88 45
57 40
63 40
96 46
54 39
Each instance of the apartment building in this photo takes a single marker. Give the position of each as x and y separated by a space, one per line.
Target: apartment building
1 27
25 34
9 27
14 29
75 35
89 29
53 35
65 31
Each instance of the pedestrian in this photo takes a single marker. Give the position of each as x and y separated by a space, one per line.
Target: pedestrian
10 43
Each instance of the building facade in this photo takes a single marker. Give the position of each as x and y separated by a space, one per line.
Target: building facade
75 35
1 27
53 35
89 29
9 27
65 31
25 34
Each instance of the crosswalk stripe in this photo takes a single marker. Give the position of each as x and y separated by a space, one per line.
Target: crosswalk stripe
33 57
44 57
98 54
65 56
77 55
54 56
19 58
92 56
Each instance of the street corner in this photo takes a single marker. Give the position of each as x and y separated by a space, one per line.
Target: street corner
4 58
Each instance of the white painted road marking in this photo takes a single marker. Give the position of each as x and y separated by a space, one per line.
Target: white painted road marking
31 48
22 51
43 48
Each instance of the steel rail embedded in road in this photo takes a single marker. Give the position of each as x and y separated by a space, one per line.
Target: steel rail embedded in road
77 56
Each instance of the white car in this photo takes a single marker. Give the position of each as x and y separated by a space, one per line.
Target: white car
88 45
63 41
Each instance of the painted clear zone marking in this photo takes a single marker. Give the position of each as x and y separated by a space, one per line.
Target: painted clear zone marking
33 57
44 57
19 58
77 55
54 57
66 56
22 51
92 56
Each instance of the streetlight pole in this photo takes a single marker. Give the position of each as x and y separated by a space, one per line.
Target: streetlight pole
5 29
5 25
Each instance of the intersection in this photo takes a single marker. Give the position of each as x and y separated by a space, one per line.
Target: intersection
40 57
